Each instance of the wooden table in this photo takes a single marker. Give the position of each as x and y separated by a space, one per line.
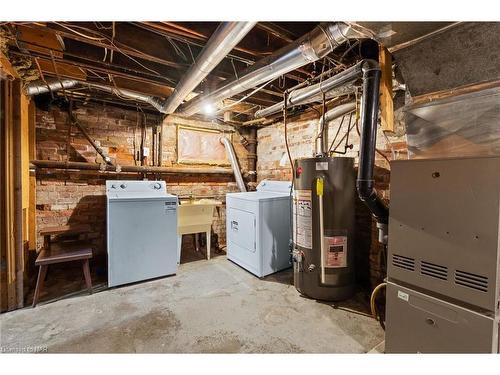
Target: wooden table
62 252
48 232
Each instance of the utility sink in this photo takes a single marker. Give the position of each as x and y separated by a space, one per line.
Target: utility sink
195 216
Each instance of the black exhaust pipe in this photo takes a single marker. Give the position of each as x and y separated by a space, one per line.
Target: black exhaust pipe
369 115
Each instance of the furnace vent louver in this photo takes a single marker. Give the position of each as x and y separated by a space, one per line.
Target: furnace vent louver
471 280
403 262
434 270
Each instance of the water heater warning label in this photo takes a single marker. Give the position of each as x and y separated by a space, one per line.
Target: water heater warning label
336 251
302 218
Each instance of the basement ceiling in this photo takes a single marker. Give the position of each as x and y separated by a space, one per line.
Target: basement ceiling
151 57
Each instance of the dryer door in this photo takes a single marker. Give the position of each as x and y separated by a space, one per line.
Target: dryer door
241 240
241 228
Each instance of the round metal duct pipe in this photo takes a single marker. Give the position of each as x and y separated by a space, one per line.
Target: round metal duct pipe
222 41
309 48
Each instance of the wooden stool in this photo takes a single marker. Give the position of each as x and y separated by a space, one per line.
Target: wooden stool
61 253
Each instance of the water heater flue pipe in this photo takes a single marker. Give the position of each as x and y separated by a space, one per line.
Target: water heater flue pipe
369 71
234 163
369 115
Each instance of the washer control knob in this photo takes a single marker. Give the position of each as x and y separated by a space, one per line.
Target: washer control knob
157 186
113 186
123 186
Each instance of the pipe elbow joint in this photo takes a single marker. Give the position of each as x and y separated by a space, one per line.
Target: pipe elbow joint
365 189
369 65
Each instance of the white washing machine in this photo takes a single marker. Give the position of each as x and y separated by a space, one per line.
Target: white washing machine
258 228
141 231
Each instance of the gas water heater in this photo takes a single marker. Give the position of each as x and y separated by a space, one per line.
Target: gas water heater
323 227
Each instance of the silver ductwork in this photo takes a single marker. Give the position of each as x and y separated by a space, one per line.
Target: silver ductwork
321 140
39 87
222 41
309 48
346 89
234 163
340 84
151 100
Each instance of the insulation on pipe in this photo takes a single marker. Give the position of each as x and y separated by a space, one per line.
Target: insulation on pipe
40 87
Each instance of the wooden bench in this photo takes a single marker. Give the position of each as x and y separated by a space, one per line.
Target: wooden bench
62 252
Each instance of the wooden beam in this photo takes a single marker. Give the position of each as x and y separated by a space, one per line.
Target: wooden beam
5 106
11 279
145 87
19 124
198 39
64 69
386 101
40 40
39 37
32 177
118 47
7 71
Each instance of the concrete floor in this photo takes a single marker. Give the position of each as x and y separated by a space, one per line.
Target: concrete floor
208 307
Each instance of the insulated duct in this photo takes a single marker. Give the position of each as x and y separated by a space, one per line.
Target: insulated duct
39 87
309 48
234 163
321 140
222 41
339 84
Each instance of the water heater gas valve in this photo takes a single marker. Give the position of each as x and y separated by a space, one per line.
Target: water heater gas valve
297 256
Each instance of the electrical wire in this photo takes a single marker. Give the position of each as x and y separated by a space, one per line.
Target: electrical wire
393 153
373 306
177 49
112 42
245 97
346 137
336 134
285 99
79 33
285 95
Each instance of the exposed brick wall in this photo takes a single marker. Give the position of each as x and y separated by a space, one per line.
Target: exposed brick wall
69 197
273 163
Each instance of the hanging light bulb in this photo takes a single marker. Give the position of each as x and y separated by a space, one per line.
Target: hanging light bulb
208 109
